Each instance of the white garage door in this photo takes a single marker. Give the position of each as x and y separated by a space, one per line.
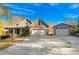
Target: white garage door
62 32
38 32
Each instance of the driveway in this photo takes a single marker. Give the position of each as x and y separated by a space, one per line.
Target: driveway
43 45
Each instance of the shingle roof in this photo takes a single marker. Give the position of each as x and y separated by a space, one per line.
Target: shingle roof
61 24
18 23
41 21
29 21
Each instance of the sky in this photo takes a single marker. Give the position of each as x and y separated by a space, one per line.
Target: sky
49 12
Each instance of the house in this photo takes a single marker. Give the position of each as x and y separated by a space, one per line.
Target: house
62 29
18 28
39 27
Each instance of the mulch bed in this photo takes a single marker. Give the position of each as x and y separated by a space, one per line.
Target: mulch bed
9 42
6 43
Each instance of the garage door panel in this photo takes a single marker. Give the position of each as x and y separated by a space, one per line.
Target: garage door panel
62 32
38 32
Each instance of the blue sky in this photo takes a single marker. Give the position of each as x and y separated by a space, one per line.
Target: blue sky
49 12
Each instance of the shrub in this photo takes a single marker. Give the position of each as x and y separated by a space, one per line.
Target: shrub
24 34
4 37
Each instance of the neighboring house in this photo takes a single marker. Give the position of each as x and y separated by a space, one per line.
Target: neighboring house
39 27
62 29
18 28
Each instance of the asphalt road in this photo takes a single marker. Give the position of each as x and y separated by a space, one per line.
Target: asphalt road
44 45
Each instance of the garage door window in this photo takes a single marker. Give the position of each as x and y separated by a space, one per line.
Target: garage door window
62 27
59 28
65 28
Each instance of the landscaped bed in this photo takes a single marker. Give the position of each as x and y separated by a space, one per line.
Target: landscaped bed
6 43
4 37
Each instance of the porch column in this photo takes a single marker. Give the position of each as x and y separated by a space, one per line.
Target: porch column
20 31
14 32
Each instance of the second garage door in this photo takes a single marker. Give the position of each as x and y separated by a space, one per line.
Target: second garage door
62 32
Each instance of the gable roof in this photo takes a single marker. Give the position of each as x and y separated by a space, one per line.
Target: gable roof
41 21
29 21
23 23
62 24
19 19
18 24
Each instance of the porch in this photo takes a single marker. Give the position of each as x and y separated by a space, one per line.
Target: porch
16 31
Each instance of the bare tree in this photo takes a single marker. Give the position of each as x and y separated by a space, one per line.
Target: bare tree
4 11
70 21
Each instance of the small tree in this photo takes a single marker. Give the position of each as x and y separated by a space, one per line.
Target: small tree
77 26
2 30
70 21
5 12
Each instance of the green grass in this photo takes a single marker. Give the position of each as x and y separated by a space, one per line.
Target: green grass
68 46
27 36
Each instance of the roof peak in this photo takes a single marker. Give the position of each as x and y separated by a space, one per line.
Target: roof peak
63 24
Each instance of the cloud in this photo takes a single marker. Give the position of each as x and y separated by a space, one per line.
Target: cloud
19 8
40 4
53 4
21 13
10 5
37 4
17 12
73 6
72 15
27 10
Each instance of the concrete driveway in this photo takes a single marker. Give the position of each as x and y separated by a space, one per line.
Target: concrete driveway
44 45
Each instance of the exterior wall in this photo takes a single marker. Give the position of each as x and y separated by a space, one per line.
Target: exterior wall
62 26
50 30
